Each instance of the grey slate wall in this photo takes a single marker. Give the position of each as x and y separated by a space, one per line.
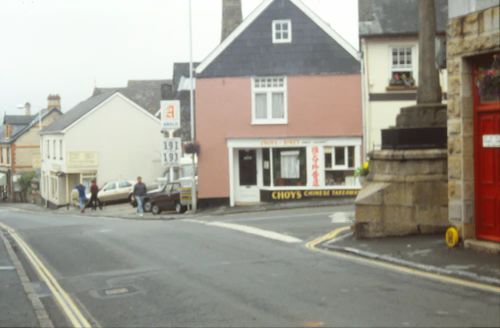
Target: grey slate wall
311 52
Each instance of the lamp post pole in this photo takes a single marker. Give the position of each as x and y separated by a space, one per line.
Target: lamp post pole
194 204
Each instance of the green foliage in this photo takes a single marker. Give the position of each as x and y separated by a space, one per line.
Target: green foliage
362 171
25 181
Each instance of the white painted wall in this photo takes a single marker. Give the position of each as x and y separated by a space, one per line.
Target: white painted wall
126 138
377 61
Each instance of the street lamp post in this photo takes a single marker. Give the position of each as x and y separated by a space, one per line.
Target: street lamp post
194 204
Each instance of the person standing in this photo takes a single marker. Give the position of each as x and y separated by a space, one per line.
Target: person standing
82 198
139 192
94 200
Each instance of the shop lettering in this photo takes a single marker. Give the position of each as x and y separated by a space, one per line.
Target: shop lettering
286 195
287 142
315 166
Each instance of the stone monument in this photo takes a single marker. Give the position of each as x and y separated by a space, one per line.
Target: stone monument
407 191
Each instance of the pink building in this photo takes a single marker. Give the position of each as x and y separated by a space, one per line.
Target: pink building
278 111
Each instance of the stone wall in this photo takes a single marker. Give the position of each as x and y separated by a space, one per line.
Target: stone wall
468 36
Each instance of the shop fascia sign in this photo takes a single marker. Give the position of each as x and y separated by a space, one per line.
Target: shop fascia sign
288 142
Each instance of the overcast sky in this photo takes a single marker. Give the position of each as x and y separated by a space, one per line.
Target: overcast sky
69 46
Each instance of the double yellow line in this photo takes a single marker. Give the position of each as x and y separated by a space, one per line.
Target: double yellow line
62 298
329 236
312 245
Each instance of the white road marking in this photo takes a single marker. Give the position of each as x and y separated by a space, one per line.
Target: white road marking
265 218
250 230
342 217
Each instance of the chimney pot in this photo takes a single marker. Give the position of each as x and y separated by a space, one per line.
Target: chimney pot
27 109
53 101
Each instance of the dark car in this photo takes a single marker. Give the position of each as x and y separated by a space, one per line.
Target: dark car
168 200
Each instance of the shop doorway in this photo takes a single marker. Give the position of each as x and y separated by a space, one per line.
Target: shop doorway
247 190
486 77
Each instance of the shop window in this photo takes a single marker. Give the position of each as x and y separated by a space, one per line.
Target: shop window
289 167
402 67
269 104
282 31
340 163
87 178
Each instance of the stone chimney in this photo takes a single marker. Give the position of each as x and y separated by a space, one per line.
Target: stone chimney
27 109
53 101
231 16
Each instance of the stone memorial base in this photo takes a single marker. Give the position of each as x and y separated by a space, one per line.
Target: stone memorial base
406 193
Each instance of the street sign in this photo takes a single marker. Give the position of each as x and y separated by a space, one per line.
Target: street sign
170 115
171 151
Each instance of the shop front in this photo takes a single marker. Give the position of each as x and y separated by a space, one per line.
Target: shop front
293 169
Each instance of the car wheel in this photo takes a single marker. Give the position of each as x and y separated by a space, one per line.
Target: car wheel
148 206
179 209
155 209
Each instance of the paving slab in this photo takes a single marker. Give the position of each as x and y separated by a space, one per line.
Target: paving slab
427 252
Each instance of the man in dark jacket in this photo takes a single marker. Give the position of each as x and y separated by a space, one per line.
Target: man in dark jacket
140 191
94 200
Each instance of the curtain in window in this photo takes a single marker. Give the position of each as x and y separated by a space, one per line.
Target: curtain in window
278 105
290 165
260 106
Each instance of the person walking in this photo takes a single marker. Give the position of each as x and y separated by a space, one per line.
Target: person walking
94 200
82 198
139 192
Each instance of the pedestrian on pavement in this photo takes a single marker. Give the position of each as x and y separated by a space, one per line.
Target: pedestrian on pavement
139 192
94 200
82 198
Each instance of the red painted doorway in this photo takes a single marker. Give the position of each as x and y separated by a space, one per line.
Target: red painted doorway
486 89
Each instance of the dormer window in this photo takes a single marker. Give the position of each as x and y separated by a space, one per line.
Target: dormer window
282 31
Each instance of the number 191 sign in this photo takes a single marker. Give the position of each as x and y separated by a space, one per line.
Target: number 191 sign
171 151
170 115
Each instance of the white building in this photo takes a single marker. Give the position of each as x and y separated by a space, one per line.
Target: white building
107 137
388 32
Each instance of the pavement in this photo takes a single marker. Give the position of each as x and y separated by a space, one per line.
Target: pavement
245 270
17 309
423 252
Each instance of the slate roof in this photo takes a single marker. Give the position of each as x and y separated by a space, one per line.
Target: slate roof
18 119
77 112
19 129
180 70
249 51
146 93
396 17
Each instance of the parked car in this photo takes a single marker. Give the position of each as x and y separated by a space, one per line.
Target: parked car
115 191
168 200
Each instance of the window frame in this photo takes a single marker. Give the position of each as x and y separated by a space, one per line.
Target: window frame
282 22
403 68
269 91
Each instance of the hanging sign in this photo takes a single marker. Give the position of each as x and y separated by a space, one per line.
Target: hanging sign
170 115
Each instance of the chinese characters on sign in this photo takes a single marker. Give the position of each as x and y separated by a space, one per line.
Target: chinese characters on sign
171 151
170 115
315 166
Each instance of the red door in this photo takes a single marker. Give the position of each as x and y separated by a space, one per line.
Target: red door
487 151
